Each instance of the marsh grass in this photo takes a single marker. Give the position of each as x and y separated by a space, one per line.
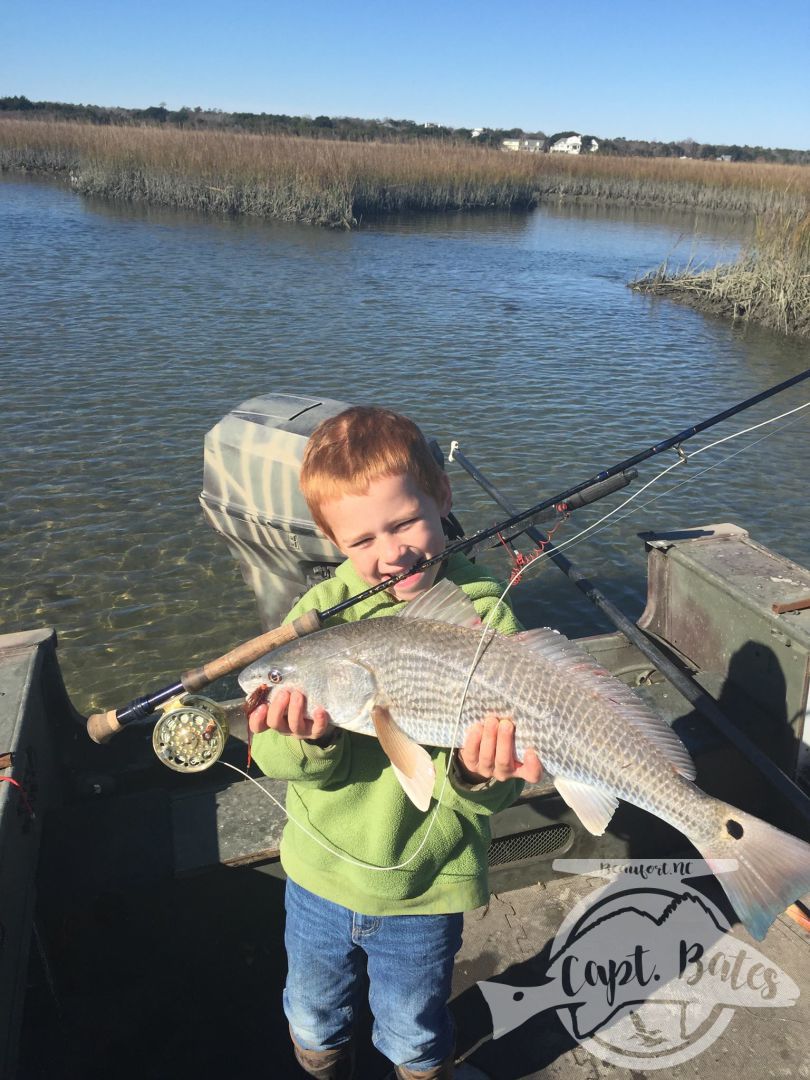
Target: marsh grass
768 284
338 183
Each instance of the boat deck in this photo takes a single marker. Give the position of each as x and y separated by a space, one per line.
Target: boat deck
156 899
159 948
186 981
509 942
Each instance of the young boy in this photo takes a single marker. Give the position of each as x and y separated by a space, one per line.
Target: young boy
376 491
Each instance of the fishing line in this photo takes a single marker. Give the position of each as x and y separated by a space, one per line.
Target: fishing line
603 520
706 469
327 847
681 461
487 635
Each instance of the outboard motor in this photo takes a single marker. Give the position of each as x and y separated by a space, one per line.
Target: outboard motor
251 498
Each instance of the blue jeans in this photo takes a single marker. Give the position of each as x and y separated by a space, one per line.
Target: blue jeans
410 967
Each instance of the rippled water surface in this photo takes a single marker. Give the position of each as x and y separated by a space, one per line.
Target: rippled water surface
128 332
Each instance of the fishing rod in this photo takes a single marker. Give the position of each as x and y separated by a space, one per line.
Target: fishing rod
683 682
102 726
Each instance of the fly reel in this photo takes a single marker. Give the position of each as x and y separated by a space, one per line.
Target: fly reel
190 734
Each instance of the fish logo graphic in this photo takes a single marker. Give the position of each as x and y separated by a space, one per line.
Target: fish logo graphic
644 973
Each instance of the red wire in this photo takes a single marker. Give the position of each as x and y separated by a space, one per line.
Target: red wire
520 560
23 795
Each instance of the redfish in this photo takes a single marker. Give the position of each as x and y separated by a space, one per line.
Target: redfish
404 679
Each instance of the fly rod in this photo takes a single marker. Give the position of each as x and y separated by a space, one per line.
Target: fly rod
102 726
680 679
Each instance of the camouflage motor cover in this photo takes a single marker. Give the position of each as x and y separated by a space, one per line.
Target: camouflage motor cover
251 497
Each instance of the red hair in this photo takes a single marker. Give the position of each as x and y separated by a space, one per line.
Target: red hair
347 452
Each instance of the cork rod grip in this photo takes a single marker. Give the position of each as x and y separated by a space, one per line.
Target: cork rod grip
102 726
249 651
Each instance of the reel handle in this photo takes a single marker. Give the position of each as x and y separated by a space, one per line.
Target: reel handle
102 726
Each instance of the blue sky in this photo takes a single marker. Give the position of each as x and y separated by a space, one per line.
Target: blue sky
712 70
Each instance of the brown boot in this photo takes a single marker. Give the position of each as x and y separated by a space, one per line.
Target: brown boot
444 1071
336 1063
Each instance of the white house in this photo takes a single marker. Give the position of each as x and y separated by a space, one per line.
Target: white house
572 144
532 146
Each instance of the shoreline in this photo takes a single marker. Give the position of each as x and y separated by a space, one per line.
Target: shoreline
387 208
338 183
383 201
769 284
723 308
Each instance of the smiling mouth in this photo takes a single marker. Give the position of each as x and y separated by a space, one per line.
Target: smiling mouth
411 579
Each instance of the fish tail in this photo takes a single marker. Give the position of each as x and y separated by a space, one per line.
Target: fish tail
773 867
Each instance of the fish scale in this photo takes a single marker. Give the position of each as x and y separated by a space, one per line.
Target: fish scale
596 739
421 679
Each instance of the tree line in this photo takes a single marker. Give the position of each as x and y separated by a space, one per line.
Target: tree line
352 129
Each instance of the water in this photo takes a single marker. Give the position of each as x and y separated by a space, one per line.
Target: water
128 332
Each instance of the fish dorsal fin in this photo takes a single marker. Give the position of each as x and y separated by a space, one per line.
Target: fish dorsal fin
443 602
593 807
552 645
569 658
412 764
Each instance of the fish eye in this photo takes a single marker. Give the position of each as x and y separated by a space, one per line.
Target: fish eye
275 676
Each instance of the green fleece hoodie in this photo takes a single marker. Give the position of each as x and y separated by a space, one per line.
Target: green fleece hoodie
348 796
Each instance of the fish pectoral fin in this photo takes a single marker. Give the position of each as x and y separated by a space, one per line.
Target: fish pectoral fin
412 764
593 807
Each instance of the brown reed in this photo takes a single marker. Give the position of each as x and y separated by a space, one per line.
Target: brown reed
337 183
768 284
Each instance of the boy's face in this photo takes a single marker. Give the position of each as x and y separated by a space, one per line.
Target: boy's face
389 528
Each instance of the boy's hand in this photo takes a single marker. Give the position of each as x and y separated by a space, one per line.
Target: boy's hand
489 751
287 714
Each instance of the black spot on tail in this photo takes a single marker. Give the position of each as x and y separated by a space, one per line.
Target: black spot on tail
735 829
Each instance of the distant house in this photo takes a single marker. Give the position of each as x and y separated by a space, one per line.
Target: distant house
532 146
574 144
476 132
571 144
724 157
